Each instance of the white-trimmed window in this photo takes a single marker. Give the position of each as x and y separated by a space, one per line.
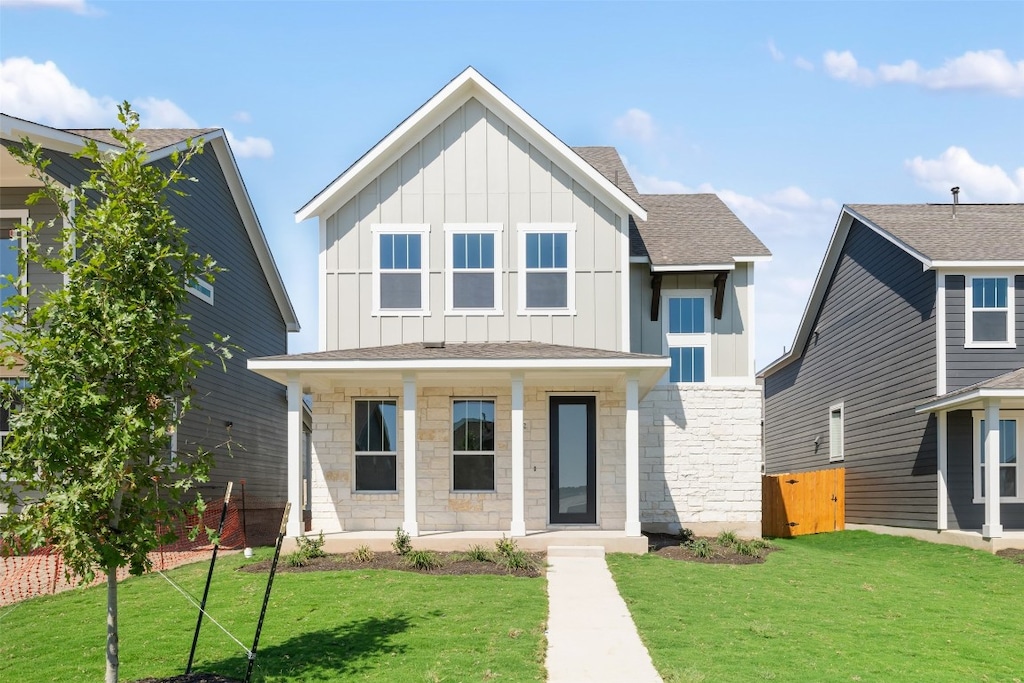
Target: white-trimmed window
401 261
376 444
687 324
836 433
547 268
473 276
12 242
1011 445
989 312
201 289
473 445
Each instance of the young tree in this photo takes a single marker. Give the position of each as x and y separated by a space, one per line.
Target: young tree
109 363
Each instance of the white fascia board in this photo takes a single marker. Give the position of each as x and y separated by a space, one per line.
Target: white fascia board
254 230
693 268
962 400
433 112
978 265
752 259
639 259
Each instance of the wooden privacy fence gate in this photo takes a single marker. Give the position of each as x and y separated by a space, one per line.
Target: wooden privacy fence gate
803 503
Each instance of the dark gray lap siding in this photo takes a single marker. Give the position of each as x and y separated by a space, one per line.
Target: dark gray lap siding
964 513
874 351
965 367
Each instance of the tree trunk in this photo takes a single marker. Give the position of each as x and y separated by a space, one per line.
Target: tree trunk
112 646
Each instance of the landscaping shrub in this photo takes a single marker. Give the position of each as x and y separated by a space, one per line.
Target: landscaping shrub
728 538
308 549
511 556
685 536
402 543
363 554
423 559
478 553
702 548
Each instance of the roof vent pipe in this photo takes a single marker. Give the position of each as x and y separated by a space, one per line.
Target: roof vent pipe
956 198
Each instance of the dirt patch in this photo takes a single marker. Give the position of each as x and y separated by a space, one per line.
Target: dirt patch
671 547
1015 555
452 563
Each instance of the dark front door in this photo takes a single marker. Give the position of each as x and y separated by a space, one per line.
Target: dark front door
573 447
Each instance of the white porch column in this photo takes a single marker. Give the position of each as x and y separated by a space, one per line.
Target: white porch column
942 478
518 465
632 457
992 527
294 526
409 453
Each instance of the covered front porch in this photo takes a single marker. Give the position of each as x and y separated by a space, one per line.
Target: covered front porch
534 441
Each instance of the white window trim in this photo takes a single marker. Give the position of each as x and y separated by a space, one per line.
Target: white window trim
423 229
978 416
678 340
358 454
451 442
198 292
452 229
523 229
23 216
1011 336
841 408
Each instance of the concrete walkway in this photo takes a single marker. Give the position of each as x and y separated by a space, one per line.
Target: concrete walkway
591 636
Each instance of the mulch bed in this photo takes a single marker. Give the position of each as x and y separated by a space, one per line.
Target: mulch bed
453 564
668 546
1013 555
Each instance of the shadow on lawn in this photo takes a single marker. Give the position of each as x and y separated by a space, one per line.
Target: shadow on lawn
321 655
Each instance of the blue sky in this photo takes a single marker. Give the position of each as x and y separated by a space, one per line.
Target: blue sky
786 110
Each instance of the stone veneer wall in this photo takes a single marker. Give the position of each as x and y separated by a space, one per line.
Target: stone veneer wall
336 507
700 459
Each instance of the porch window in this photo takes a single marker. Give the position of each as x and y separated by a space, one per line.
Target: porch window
686 335
547 268
376 452
473 445
473 276
400 269
10 245
1011 444
989 320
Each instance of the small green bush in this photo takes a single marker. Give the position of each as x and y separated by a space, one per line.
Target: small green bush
402 543
728 538
307 549
478 553
702 548
685 536
511 556
748 548
763 544
423 559
363 554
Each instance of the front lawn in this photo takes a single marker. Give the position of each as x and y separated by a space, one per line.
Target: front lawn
847 606
320 626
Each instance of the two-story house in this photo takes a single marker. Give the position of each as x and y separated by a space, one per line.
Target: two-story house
514 340
248 301
906 370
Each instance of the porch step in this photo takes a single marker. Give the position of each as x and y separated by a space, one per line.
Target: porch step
576 551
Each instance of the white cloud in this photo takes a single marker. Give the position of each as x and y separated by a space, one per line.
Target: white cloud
843 66
775 52
242 117
987 70
804 64
158 113
42 93
977 182
248 147
76 6
636 124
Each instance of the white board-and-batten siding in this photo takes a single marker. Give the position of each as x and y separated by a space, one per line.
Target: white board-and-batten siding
473 168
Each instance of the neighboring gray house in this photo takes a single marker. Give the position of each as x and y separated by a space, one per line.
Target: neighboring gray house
248 301
576 357
907 369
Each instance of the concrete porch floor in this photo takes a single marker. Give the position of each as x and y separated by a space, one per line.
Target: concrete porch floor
533 541
970 538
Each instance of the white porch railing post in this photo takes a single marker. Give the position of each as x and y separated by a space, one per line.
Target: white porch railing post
992 528
632 457
294 525
409 453
518 472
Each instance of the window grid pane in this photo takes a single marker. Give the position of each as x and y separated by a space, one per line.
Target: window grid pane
686 315
989 292
687 364
473 445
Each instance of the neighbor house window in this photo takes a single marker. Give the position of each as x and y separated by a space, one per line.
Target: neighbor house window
400 269
1011 444
473 445
473 276
836 436
376 456
11 242
989 319
201 289
547 268
687 335
5 411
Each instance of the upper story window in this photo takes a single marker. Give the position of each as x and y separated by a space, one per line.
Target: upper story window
473 276
547 268
10 246
687 334
401 269
1011 445
989 319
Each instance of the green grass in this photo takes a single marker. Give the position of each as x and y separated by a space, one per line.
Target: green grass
320 626
848 606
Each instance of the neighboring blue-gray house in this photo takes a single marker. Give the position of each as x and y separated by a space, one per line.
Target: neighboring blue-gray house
248 301
907 370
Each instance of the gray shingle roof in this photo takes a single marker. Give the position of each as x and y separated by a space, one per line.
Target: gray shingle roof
681 229
459 351
1011 380
152 138
979 232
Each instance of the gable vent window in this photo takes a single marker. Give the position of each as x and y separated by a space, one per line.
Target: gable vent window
400 269
989 319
